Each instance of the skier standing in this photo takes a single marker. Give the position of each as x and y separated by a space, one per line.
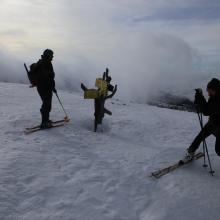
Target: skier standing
45 85
209 108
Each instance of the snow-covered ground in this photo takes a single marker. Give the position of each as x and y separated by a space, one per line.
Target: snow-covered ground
72 173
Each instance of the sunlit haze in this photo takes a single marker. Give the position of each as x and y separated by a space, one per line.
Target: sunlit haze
143 42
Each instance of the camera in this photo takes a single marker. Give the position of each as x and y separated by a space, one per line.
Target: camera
198 90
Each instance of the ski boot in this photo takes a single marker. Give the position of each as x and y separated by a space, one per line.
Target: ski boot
188 156
46 124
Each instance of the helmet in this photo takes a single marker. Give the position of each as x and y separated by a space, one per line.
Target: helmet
47 53
214 84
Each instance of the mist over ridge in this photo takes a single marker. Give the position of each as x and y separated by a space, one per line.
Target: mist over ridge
141 65
149 46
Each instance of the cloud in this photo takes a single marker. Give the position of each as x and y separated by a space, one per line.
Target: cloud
10 68
13 33
188 14
145 63
147 44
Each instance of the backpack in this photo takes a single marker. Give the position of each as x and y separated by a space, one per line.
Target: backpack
32 74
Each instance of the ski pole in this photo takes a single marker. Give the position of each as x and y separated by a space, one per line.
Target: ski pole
203 145
66 116
205 148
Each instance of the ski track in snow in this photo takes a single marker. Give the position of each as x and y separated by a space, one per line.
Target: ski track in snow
72 173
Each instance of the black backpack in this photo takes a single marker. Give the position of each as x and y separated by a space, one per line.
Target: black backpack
32 74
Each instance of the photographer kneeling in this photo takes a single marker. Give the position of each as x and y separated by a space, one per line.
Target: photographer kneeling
211 109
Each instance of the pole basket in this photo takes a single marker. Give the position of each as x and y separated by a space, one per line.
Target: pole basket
66 119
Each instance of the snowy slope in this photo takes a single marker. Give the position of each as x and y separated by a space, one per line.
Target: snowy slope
71 173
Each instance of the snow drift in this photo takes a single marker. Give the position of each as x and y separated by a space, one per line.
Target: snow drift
71 173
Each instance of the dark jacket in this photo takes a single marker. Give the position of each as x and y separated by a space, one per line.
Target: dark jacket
210 108
46 75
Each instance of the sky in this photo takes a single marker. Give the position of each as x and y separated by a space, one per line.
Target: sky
141 41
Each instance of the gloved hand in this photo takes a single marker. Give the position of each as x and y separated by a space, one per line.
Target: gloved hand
54 90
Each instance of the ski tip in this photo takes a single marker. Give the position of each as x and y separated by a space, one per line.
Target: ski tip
153 176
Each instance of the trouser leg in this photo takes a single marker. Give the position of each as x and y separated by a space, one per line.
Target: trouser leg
217 142
203 134
217 145
46 97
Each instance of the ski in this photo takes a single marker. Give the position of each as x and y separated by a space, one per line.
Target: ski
164 171
30 131
53 123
